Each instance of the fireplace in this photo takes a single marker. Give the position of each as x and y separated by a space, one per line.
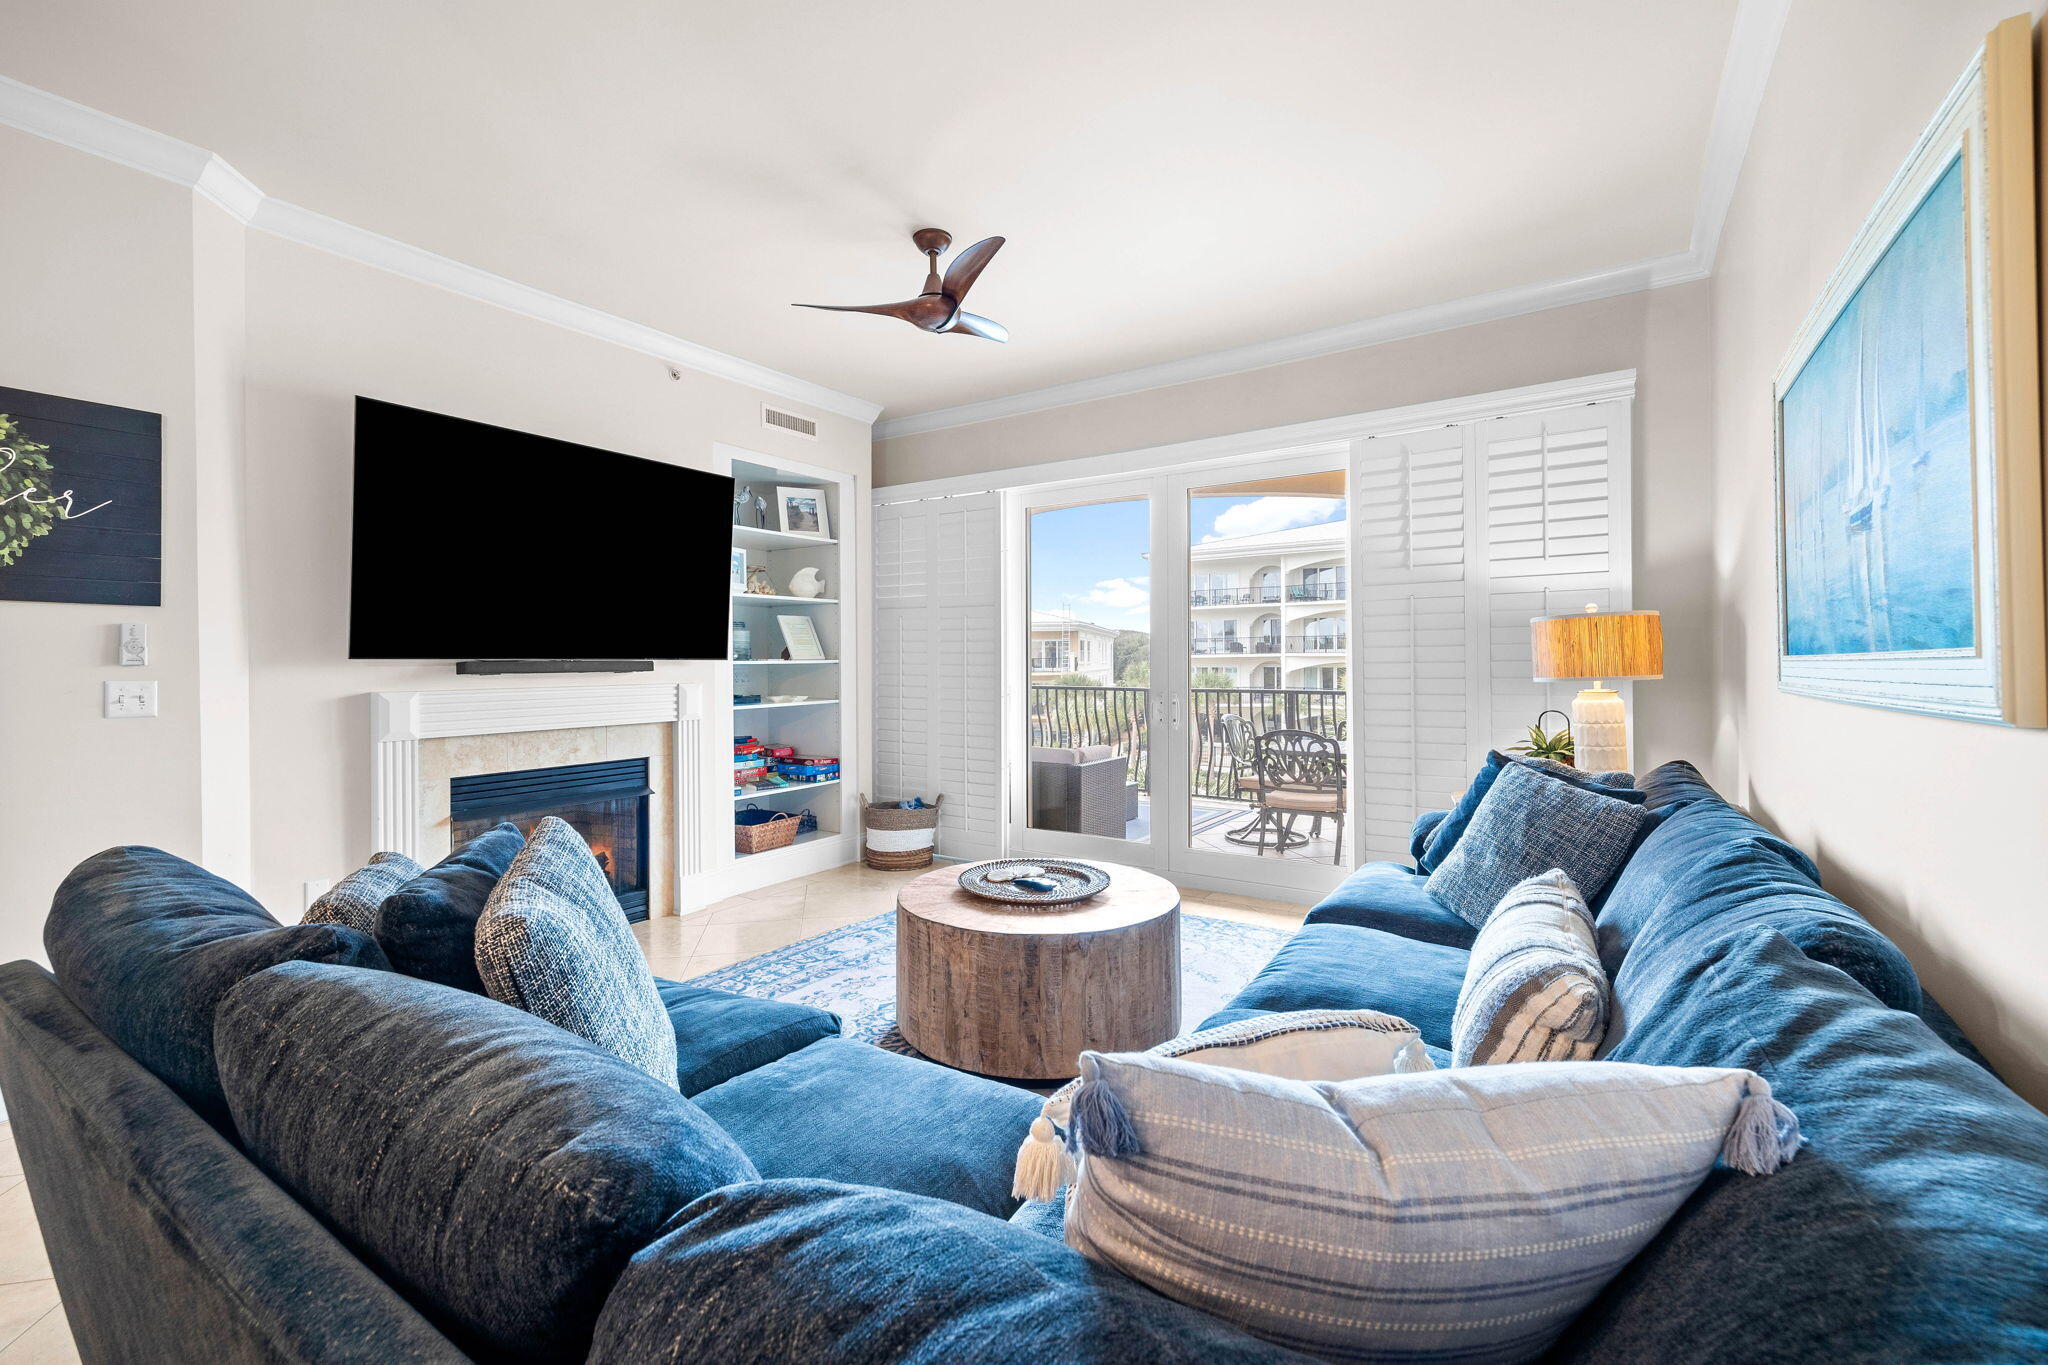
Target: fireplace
606 802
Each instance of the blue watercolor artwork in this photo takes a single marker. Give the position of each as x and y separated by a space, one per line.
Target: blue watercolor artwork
1877 485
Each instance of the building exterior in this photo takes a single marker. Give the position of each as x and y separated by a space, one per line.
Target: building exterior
1271 610
1063 643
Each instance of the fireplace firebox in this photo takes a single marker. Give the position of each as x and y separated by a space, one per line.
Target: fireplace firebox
605 802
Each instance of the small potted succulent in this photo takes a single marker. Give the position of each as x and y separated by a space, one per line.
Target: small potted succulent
1554 745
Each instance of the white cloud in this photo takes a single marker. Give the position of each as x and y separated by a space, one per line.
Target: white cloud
1131 596
1263 516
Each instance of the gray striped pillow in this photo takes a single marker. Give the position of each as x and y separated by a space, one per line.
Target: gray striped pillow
1466 1214
1534 988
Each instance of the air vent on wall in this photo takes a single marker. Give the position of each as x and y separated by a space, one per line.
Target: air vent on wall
790 422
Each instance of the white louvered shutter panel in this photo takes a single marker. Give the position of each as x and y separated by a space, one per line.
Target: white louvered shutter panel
1555 487
938 675
1411 673
1462 534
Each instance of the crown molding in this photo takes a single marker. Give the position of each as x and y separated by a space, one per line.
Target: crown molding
1745 73
100 134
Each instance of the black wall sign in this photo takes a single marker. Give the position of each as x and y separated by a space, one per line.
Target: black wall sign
81 501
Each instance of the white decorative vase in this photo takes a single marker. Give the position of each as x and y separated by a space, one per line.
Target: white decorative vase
806 583
1600 730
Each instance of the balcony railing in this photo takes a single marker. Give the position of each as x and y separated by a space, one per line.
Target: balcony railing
1234 597
1068 717
1316 592
1317 644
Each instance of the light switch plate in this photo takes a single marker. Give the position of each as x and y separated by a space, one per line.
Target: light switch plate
315 890
134 644
128 700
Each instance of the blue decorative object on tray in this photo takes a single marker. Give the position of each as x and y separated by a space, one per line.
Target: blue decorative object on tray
1033 881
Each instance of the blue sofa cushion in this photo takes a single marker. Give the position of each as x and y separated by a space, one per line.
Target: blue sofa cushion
807 1270
147 944
1387 896
1707 872
848 1111
1344 967
720 1035
1454 824
428 926
1913 1225
497 1169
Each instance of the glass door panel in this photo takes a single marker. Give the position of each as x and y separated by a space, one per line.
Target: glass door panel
1088 697
1266 699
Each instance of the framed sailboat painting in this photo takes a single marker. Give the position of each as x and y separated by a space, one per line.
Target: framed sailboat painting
1908 431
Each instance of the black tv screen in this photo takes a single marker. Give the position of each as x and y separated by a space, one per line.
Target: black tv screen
474 542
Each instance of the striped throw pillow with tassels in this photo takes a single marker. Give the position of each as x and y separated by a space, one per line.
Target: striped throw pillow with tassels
1463 1214
1302 1045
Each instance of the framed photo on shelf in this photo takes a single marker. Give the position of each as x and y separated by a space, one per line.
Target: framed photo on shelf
739 570
800 636
801 511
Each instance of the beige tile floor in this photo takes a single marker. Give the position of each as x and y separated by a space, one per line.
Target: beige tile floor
32 1326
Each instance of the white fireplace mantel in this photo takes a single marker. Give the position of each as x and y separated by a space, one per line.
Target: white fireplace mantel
400 720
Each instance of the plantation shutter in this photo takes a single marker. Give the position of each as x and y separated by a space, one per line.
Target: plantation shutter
938 678
1461 534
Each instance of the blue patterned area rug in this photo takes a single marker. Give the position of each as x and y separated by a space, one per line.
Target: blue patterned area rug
852 972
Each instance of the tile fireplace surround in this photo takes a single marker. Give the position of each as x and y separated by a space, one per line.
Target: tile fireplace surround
419 740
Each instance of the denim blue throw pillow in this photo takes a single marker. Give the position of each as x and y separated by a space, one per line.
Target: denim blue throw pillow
428 926
1445 835
1530 823
554 942
495 1169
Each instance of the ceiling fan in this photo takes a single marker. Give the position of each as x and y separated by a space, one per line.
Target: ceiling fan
938 308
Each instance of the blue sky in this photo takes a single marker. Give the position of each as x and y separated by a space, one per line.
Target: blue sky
1092 559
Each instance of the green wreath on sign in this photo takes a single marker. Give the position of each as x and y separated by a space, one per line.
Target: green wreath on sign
26 509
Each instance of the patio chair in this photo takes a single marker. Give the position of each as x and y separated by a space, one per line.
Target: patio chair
1266 830
1081 791
1301 773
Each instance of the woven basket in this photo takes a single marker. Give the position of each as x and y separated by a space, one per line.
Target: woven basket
899 823
778 831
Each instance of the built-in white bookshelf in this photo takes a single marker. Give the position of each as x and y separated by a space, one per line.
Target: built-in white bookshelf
795 702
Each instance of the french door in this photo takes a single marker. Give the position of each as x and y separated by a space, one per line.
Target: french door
1162 630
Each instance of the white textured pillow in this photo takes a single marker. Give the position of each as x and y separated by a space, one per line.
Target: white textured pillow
1300 1045
1534 988
353 901
1468 1213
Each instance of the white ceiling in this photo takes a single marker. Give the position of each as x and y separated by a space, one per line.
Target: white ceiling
1174 178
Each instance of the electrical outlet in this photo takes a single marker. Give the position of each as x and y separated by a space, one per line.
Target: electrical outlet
314 891
134 644
128 700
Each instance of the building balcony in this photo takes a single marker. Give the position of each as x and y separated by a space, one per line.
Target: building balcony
1233 597
1318 644
1316 592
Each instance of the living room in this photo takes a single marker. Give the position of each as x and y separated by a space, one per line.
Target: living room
1441 608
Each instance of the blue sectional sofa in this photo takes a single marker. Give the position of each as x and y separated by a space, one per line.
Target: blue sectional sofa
254 1142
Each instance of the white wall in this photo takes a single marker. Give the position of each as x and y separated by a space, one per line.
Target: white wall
97 273
1665 335
124 289
1935 829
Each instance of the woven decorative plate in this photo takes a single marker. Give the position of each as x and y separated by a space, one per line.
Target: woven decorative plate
1074 881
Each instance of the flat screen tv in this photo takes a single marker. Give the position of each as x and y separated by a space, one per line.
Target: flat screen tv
474 542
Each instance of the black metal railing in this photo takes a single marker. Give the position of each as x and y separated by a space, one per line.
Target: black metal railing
1317 644
1234 597
1322 591
1068 717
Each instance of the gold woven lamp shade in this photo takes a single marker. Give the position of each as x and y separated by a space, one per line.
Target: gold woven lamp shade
1598 645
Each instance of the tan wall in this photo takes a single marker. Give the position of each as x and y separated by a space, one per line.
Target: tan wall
125 289
97 274
1935 829
322 330
1665 335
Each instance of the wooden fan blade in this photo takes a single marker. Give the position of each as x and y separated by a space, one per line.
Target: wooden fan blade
967 267
892 310
975 325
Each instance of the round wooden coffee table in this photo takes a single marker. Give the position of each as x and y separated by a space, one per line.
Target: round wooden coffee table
1019 992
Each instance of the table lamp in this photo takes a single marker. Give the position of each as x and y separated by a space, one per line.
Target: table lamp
1598 645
